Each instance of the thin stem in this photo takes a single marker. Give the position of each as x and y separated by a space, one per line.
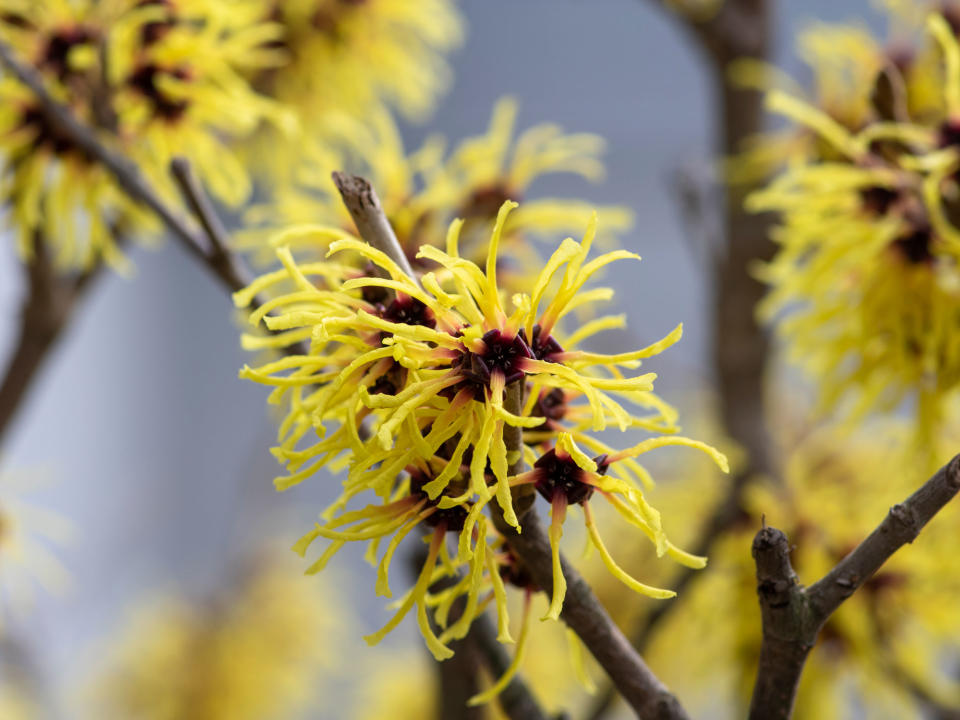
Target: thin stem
219 256
584 614
364 206
793 616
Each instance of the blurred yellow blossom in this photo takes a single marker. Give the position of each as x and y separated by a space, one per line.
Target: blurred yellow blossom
29 533
256 651
865 285
423 191
154 79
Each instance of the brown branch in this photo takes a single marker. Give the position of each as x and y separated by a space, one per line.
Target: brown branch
219 255
740 29
48 304
793 616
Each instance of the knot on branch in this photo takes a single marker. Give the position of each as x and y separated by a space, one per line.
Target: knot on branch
904 521
952 471
776 579
356 190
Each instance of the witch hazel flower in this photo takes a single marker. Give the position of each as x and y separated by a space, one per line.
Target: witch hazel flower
405 387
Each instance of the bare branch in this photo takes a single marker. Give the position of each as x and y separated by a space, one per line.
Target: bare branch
361 200
788 628
732 31
47 305
792 616
901 526
198 201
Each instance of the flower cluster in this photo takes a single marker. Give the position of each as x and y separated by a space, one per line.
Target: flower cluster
866 278
432 393
395 46
155 78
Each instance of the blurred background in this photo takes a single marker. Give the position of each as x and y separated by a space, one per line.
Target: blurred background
158 455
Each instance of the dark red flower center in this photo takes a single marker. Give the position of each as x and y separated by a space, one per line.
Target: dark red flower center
407 310
500 353
915 246
877 200
544 346
326 18
557 474
56 54
949 134
391 382
514 572
551 406
145 79
485 202
452 518
154 30
48 135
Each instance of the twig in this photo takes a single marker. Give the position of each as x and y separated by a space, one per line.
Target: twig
219 255
364 206
127 175
47 306
792 615
642 690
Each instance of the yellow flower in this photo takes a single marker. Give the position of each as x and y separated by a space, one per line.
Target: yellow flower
255 653
866 281
566 476
355 56
423 191
176 71
485 584
846 64
417 380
